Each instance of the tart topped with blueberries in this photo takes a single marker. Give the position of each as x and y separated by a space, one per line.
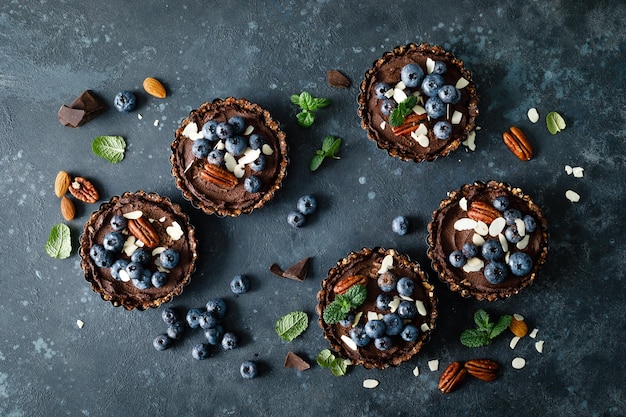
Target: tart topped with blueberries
488 240
376 308
229 157
418 102
138 250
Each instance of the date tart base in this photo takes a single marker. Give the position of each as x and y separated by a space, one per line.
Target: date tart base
365 267
238 181
471 215
417 138
146 217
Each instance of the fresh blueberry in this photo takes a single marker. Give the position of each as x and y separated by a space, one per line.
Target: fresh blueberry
113 241
134 270
106 259
258 164
431 84
400 225
495 272
256 141
223 130
307 204
439 67
201 148
387 106
435 108
159 279
442 129
520 263
214 335
142 256
383 343
411 75
512 234
200 351
118 222
511 214
359 337
347 320
162 342
209 131
529 223
500 203
117 267
193 317
176 330
169 258
410 333
381 89
144 281
387 281
215 157
407 309
169 315
393 324
492 250
217 306
469 250
248 370
125 101
96 251
252 184
382 301
240 284
405 286
207 320
374 328
238 124
457 259
236 145
296 219
229 341
449 94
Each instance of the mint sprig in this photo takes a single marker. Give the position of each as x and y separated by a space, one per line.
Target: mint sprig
339 308
330 147
308 105
110 148
291 325
337 366
402 110
485 330
555 122
59 243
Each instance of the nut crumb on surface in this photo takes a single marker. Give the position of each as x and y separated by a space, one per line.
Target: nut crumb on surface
433 365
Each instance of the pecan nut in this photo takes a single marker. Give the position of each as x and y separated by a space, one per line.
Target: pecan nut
218 176
344 285
483 211
484 369
411 123
452 377
517 142
84 190
142 229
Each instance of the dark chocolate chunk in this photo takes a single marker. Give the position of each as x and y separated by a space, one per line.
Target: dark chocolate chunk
84 108
337 79
298 271
294 361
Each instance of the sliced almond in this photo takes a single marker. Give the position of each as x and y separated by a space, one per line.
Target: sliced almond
249 155
497 226
463 203
399 95
386 264
478 240
578 172
461 83
133 215
518 363
370 383
433 365
539 346
514 341
174 231
421 308
349 342
533 333
533 115
191 131
267 149
430 65
522 244
416 371
473 265
572 196
424 327
481 228
249 130
465 223
456 118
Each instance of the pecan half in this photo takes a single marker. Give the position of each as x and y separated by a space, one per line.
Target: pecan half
342 286
452 377
411 123
218 176
84 190
482 211
517 142
484 369
142 229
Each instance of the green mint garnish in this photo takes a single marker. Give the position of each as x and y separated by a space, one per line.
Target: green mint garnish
402 110
59 243
337 366
110 148
339 308
485 330
555 122
330 147
292 325
308 104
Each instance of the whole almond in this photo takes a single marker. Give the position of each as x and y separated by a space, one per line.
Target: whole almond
68 211
62 183
154 87
518 327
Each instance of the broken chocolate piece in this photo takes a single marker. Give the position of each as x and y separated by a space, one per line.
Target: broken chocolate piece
298 271
337 79
84 108
276 270
294 361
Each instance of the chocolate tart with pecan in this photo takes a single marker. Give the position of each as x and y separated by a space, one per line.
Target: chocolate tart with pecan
398 308
487 240
229 157
442 113
138 250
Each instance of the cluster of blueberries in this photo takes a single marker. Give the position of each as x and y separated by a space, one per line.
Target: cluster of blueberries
432 85
497 269
392 324
136 269
306 205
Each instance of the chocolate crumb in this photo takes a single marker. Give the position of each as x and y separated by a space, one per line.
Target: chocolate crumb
337 79
294 361
84 108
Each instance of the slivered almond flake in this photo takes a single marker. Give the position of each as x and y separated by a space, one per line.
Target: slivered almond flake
417 109
399 95
478 240
416 371
80 323
568 170
370 383
423 141
514 341
470 142
473 265
124 277
464 223
129 245
433 365
357 318
248 130
267 149
249 155
239 171
533 115
463 203
456 118
503 242
523 244
497 226
386 264
424 327
133 215
519 317
174 231
383 125
533 333
230 162
372 315
430 65
539 346
421 308
421 129
572 196
220 145
191 131
481 228
394 304
349 342
518 363
158 250
578 172
521 227
461 83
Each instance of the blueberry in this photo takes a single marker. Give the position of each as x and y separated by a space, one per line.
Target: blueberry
520 263
442 129
118 222
381 89
383 343
238 124
162 342
193 317
207 320
252 184
411 75
359 337
500 203
495 272
492 250
400 225
439 67
307 204
240 284
144 281
529 223
217 306
258 164
169 315
387 106
393 324
256 141
236 145
457 259
347 320
409 333
405 286
201 148
125 101
117 267
96 251
449 94
214 335
296 219
200 351
374 328
248 370
407 309
209 131
511 214
469 250
105 259
176 330
229 341
215 157
382 301
431 84
113 241
142 256
223 130
435 108
387 281
512 234
169 258
159 279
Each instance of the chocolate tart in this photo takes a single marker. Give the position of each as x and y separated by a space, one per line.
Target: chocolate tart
370 264
227 195
171 229
416 139
444 238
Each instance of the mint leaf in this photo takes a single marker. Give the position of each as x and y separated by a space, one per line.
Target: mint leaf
334 312
320 103
402 110
110 148
295 99
334 148
292 325
474 338
325 358
356 295
481 318
59 243
555 122
501 325
338 367
309 105
330 147
305 119
327 143
306 101
316 162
